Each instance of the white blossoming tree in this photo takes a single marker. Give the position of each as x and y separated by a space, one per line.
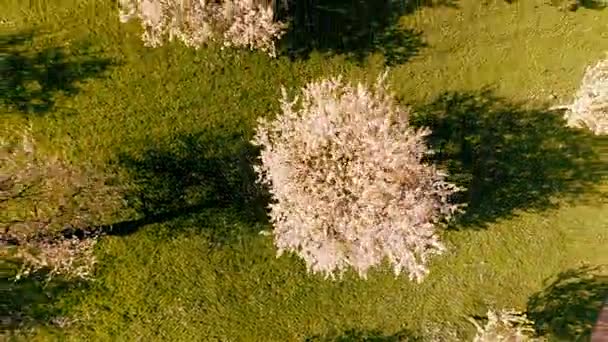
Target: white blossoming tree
233 23
349 184
42 199
590 106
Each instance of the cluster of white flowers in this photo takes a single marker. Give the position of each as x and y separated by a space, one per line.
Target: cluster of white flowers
72 258
234 23
590 107
505 326
349 185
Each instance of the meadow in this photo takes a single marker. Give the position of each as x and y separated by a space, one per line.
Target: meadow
186 261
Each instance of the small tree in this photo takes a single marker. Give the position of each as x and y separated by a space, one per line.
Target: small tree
505 326
349 184
43 200
234 23
590 106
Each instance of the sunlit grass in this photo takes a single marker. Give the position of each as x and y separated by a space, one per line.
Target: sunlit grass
207 275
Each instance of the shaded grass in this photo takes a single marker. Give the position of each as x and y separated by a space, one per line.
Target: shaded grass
202 169
188 263
508 157
29 81
576 4
354 28
31 302
367 336
569 306
192 174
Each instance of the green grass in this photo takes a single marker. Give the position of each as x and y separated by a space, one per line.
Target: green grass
199 271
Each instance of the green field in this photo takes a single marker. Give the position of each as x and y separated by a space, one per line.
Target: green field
535 236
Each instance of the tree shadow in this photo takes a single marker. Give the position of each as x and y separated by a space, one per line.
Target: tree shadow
198 178
354 335
574 5
30 301
508 156
356 28
592 4
30 79
568 307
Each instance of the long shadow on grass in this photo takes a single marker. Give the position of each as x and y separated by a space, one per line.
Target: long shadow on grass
356 28
29 301
569 306
366 336
204 179
508 156
30 79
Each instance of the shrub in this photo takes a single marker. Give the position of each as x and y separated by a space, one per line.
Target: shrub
590 106
235 23
349 186
505 326
42 199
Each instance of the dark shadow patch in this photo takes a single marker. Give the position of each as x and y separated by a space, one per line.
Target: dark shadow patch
354 335
573 5
29 302
356 28
30 79
204 180
508 156
592 4
569 306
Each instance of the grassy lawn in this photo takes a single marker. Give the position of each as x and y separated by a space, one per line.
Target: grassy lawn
535 236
